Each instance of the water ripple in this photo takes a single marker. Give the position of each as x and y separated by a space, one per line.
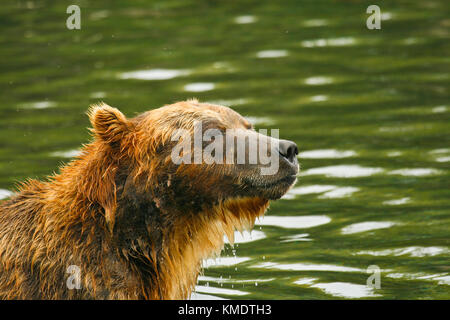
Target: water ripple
315 23
230 280
296 237
199 86
341 192
346 290
199 296
327 154
343 171
396 202
367 226
336 42
314 81
414 251
154 74
441 278
306 267
328 191
417 172
245 19
293 222
39 105
272 54
209 289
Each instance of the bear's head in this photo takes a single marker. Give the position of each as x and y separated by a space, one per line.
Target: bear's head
191 156
185 175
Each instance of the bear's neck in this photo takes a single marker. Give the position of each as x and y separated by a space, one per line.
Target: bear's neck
159 242
166 245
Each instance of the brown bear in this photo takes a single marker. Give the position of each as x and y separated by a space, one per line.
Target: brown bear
123 220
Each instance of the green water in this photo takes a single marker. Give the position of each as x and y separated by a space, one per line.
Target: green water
371 104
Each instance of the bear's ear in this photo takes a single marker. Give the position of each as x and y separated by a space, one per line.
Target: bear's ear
109 124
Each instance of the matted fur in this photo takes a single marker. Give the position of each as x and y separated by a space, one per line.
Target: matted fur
123 214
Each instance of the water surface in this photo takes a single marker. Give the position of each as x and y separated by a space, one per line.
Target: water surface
368 109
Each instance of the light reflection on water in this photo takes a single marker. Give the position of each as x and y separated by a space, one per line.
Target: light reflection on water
293 222
39 105
215 290
343 171
306 267
411 251
367 108
315 81
245 19
154 74
347 41
346 290
272 53
443 278
326 154
397 202
199 86
415 172
223 261
366 226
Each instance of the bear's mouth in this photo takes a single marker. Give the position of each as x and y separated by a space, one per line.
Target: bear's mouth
287 181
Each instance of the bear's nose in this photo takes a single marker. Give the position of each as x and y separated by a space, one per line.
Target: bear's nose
288 149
